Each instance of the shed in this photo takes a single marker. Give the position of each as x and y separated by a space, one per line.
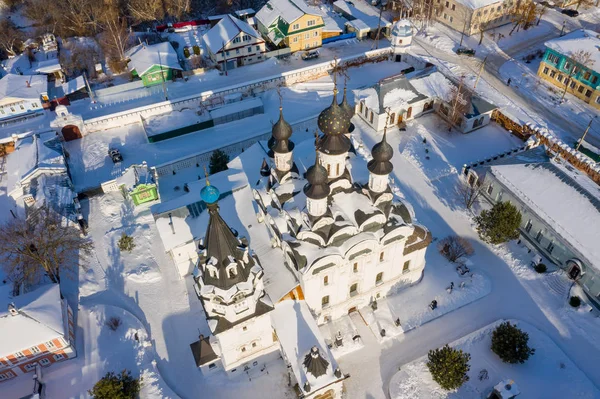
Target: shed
153 64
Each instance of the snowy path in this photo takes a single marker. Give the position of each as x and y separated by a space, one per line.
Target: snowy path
509 298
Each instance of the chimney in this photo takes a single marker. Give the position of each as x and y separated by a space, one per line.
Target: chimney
12 309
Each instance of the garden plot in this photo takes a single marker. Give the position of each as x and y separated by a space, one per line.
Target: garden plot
549 373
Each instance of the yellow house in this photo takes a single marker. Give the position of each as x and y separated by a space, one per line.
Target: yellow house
291 23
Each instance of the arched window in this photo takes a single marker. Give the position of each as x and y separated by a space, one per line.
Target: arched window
371 117
362 105
337 169
328 170
392 118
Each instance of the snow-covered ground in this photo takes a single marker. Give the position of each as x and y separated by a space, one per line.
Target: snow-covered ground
548 373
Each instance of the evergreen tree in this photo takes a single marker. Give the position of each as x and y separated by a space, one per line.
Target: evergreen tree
218 161
499 224
510 344
126 243
113 386
449 367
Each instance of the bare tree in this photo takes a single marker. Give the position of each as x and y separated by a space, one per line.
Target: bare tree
459 103
180 8
44 243
455 247
523 15
482 23
11 38
146 10
584 3
115 37
540 10
469 194
580 60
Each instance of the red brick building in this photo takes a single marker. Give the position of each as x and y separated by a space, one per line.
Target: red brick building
36 327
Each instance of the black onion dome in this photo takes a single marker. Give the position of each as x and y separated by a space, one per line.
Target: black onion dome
315 363
333 120
382 153
317 187
281 129
346 107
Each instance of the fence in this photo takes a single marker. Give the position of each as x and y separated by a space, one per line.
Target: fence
578 159
351 35
137 84
211 98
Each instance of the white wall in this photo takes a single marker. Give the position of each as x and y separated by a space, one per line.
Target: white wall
20 107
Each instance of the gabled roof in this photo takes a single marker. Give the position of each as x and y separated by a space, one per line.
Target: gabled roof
225 31
143 57
393 92
566 199
287 10
582 39
22 87
39 319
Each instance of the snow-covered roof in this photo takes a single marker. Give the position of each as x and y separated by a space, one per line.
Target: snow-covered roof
244 12
22 87
475 4
578 40
363 12
434 85
40 319
564 198
288 10
393 92
47 66
144 57
298 333
32 153
225 31
70 87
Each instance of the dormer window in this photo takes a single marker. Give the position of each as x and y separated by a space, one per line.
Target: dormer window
232 271
212 271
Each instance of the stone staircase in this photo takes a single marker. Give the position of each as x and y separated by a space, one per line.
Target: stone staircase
558 284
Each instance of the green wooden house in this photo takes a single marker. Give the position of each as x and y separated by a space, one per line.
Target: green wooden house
154 64
138 183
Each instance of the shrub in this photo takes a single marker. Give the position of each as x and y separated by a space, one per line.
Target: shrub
196 50
499 224
575 301
113 323
455 247
540 268
449 367
126 243
218 161
510 344
186 52
113 386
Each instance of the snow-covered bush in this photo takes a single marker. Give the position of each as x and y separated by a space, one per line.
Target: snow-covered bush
575 301
449 367
540 268
511 343
113 386
455 247
114 323
499 224
126 243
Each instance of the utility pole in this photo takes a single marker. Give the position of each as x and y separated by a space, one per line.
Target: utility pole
479 73
378 28
162 77
562 30
462 33
224 59
87 83
587 129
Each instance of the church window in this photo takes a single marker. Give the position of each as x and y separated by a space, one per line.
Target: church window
325 301
355 267
326 280
371 117
353 289
232 272
337 169
528 226
328 169
379 278
243 349
211 366
361 106
406 267
254 344
245 328
381 256
539 236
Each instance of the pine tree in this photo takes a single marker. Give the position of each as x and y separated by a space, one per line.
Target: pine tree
112 386
449 367
499 224
510 344
218 161
126 243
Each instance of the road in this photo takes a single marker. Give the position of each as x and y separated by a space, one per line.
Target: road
572 128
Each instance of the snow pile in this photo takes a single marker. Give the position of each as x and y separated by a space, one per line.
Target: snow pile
548 373
398 98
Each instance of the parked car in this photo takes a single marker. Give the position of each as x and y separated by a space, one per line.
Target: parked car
465 51
309 55
570 13
115 155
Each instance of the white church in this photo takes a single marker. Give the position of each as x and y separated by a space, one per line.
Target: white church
292 237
